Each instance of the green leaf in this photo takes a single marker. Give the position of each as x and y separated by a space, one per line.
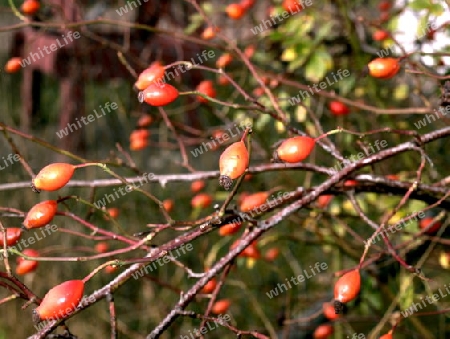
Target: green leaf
318 65
195 22
324 31
346 85
422 26
407 290
436 9
401 92
262 121
418 5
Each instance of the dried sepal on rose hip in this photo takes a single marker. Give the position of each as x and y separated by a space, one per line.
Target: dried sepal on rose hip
294 149
233 162
346 289
60 301
53 177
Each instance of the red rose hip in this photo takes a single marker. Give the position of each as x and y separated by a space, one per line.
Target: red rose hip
60 301
53 177
158 94
41 214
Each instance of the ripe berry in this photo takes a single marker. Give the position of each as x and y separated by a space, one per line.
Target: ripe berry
229 229
235 11
25 266
424 223
350 183
12 236
271 254
110 269
223 80
383 68
251 251
155 72
338 108
384 16
292 6
387 335
101 247
201 200
294 149
346 289
209 33
232 163
328 311
210 286
60 301
139 134
53 177
249 51
139 139
324 200
197 186
380 35
224 60
323 331
220 306
253 201
41 214
168 205
247 4
206 87
384 6
113 213
30 7
13 65
138 144
145 121
392 177
158 94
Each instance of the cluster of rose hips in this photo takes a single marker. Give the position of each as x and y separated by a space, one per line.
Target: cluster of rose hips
62 299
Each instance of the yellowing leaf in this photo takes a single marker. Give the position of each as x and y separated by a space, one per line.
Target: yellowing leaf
289 55
300 114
